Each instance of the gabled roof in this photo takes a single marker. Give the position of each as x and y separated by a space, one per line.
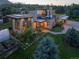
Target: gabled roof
40 20
64 17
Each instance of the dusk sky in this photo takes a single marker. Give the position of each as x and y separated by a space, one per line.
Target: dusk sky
45 2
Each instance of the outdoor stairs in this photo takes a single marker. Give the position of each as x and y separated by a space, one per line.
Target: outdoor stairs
9 51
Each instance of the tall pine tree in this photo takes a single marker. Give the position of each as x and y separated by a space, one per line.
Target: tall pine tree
47 49
72 38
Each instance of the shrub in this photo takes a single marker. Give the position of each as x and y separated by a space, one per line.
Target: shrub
46 49
72 38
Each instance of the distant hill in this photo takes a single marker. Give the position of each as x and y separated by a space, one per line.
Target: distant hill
4 2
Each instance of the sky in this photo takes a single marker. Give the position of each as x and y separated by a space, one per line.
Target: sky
45 2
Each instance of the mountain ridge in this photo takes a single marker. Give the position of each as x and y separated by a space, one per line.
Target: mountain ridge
4 2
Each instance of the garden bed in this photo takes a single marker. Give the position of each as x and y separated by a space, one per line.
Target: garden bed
57 29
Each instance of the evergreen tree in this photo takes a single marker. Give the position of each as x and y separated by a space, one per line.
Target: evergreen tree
72 38
46 49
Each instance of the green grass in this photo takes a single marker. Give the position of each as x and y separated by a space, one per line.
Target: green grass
25 54
59 14
21 54
65 51
5 25
75 19
57 29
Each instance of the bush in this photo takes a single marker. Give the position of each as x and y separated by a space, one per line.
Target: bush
72 38
46 49
28 36
60 23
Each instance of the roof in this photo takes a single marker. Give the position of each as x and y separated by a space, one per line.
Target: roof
64 17
4 35
40 20
20 15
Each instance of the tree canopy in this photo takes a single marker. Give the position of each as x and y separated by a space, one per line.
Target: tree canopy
47 49
72 38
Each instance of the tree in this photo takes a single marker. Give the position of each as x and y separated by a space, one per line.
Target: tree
72 38
73 11
46 49
29 35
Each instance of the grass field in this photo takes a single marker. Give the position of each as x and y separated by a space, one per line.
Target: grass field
59 14
21 54
5 25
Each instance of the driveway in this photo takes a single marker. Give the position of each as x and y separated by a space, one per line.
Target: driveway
68 25
73 24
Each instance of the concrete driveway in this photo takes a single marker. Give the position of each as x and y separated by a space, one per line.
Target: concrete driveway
73 24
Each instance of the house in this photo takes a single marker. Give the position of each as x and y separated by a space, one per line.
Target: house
42 18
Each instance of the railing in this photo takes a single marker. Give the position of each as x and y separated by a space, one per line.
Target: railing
9 51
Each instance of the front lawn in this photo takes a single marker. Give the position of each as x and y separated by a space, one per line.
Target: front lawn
65 51
59 14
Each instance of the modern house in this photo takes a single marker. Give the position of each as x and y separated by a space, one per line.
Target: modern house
43 19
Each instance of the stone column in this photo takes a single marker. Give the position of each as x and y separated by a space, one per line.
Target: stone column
21 25
13 24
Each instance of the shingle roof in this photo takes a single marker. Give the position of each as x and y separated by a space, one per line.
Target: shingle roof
64 17
20 15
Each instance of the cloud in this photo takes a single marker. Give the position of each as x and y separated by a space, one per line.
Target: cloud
54 2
